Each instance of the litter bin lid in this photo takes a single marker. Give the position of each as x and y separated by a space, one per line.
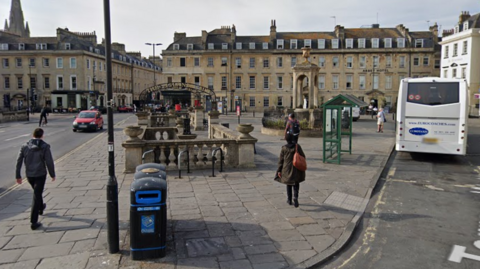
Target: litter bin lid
151 165
148 185
150 172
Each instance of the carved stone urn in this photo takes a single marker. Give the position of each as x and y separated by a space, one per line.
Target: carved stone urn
245 129
133 132
142 117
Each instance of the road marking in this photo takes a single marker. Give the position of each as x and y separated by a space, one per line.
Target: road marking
20 136
14 187
434 188
458 253
391 172
370 232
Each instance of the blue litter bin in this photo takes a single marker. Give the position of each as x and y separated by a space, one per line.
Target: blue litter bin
150 172
158 166
148 218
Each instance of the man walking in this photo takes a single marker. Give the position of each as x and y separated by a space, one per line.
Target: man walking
38 159
43 115
380 120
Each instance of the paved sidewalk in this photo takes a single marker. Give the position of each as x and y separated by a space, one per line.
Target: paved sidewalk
238 219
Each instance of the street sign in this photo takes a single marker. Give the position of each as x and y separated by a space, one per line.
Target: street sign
477 96
238 111
236 97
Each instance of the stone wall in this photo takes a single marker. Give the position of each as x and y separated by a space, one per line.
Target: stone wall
12 116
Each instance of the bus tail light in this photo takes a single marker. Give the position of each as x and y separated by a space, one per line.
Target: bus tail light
403 147
458 150
401 135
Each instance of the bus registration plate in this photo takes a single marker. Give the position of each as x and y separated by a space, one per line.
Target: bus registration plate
430 140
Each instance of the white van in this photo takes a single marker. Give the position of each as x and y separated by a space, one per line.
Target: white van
355 112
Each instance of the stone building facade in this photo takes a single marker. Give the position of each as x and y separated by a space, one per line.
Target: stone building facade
257 71
461 54
66 70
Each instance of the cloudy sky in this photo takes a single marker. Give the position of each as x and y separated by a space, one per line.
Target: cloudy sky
135 22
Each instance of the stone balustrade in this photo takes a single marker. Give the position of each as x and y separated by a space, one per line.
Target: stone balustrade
238 147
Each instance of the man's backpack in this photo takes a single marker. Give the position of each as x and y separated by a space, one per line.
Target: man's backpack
294 128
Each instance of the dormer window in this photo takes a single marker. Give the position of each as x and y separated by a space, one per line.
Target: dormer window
465 26
321 43
388 43
418 43
280 44
293 44
176 46
4 46
375 42
361 43
335 43
21 46
308 43
90 49
251 45
210 46
97 51
265 45
67 46
349 43
239 45
224 46
189 46
41 46
400 42
457 29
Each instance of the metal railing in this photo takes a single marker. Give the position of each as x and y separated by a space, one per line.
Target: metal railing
180 162
215 158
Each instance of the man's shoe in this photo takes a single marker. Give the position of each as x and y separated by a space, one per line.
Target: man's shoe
289 201
295 201
40 212
35 226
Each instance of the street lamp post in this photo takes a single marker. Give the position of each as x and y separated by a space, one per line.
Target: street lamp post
226 88
154 65
112 185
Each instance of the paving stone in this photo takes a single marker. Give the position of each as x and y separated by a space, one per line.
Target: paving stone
185 212
5 229
277 225
15 209
271 265
226 198
230 204
324 215
335 223
106 261
233 241
33 240
20 265
4 240
79 211
301 221
70 225
293 245
237 264
266 258
198 263
77 235
12 255
292 213
311 229
298 256
321 242
47 252
189 225
215 220
74 261
191 234
285 235
206 247
260 249
83 246
234 209
217 230
257 237
246 225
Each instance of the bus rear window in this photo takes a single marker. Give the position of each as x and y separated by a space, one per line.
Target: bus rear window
433 94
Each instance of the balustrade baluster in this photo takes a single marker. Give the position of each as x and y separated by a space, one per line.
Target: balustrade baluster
200 162
191 148
163 158
171 158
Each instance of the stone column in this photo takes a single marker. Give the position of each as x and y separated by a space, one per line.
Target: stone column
213 118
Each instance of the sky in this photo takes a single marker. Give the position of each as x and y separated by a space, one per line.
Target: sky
136 22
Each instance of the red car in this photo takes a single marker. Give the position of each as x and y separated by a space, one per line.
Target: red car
125 109
88 120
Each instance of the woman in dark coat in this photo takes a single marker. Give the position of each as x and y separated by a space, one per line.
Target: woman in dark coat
287 173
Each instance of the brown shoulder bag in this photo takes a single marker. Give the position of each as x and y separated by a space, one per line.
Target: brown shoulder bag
299 161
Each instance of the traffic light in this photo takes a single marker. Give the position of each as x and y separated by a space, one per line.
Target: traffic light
32 92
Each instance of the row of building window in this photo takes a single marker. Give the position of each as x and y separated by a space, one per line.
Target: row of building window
362 61
349 82
280 102
446 51
45 62
455 73
321 44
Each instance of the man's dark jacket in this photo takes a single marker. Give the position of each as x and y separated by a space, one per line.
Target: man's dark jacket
37 157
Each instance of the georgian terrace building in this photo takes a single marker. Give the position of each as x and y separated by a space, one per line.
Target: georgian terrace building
68 71
257 70
461 54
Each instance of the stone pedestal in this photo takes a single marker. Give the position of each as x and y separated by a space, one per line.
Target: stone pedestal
198 124
133 154
142 118
213 118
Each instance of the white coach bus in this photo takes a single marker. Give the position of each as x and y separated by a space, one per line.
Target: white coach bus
432 116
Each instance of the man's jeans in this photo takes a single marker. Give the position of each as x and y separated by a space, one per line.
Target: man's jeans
37 183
